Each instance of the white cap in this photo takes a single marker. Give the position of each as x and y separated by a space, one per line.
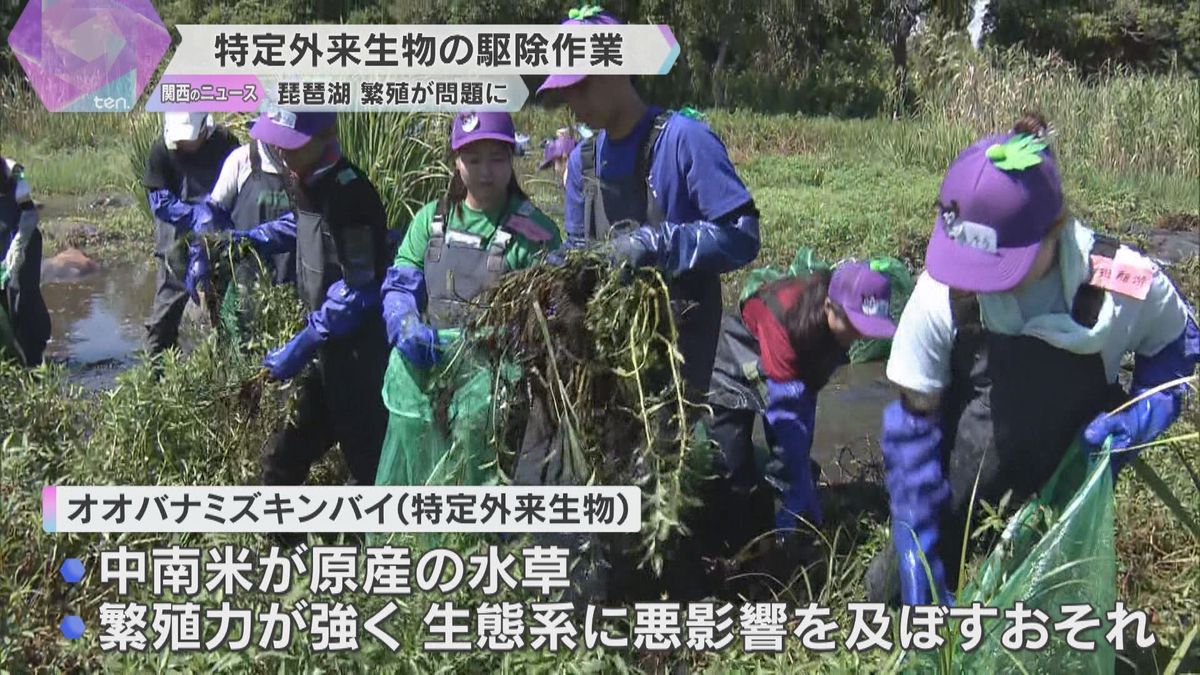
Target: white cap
184 126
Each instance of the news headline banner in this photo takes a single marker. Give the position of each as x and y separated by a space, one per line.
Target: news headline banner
501 509
420 68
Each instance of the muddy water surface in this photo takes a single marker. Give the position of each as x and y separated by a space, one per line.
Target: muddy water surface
97 321
849 414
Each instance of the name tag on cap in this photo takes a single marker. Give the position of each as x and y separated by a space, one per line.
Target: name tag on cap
527 228
1126 273
285 118
975 235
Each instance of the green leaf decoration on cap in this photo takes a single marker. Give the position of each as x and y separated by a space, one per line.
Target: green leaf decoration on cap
878 265
689 111
1017 153
584 12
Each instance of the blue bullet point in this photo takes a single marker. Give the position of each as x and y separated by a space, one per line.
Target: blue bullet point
72 627
72 570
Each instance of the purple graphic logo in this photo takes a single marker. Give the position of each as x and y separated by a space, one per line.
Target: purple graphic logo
89 55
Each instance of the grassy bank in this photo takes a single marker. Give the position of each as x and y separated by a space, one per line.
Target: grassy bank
1129 160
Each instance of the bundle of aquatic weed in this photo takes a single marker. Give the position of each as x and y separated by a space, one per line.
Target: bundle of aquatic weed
596 353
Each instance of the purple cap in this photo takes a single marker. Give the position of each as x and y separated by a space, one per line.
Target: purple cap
290 130
559 147
477 126
991 221
865 295
564 81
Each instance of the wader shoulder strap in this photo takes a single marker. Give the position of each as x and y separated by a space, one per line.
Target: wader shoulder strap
964 312
503 237
587 149
587 157
772 302
437 233
1089 299
255 158
654 214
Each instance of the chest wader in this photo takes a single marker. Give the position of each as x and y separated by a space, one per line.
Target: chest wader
340 398
1014 407
738 396
459 267
24 319
738 503
423 446
262 198
612 208
170 298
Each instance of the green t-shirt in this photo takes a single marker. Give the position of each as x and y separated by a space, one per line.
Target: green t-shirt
522 250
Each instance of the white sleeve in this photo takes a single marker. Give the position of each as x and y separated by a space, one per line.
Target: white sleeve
920 355
228 184
1161 318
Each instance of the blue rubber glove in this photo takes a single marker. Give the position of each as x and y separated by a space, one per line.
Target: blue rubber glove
403 293
404 297
1146 420
918 492
200 216
419 342
716 248
791 413
287 361
343 311
208 217
196 277
272 237
627 253
170 209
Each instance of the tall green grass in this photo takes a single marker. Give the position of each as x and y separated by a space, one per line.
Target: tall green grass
403 153
1119 120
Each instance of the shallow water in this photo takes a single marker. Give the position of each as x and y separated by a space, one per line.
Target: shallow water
97 322
849 414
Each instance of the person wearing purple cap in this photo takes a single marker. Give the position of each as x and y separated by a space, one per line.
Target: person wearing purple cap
774 358
556 154
338 228
653 188
658 189
1008 348
456 247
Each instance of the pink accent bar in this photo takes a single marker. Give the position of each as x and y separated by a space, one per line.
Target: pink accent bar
49 509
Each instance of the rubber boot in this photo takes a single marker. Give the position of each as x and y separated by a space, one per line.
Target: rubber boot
793 474
918 493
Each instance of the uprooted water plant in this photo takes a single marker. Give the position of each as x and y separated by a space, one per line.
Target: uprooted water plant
590 355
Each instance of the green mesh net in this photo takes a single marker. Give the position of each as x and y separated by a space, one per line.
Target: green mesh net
440 421
1058 550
